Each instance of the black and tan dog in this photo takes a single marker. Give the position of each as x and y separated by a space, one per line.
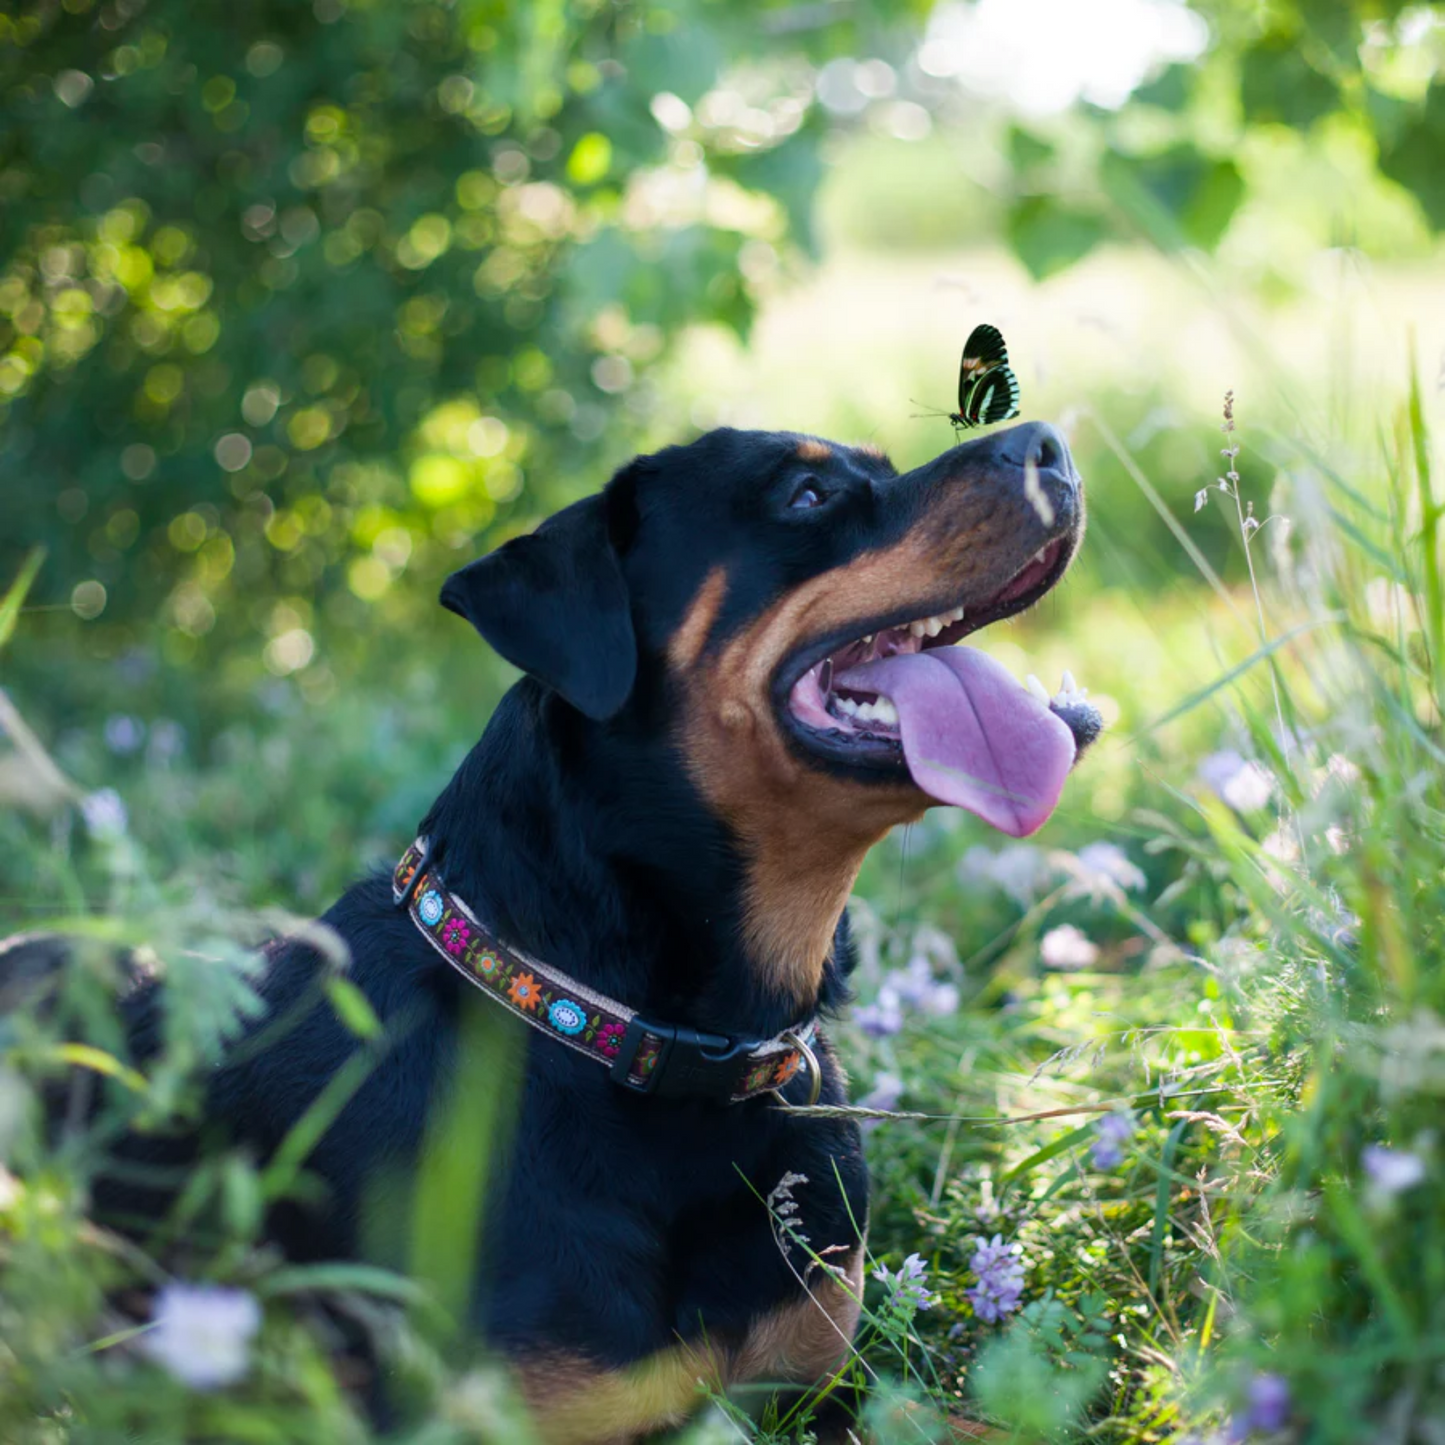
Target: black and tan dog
738 678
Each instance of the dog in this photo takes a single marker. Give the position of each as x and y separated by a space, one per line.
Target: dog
737 677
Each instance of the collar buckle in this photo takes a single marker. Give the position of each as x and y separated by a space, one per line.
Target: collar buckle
673 1061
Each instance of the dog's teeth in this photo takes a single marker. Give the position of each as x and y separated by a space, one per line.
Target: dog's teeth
868 641
1036 688
1039 555
957 613
918 628
1072 688
934 626
885 712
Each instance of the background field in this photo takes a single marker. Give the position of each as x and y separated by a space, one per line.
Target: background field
297 316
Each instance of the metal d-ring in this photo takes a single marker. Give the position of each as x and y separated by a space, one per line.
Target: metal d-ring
815 1074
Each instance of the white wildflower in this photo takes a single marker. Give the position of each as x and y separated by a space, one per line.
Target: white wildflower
1109 860
1241 782
1068 947
202 1333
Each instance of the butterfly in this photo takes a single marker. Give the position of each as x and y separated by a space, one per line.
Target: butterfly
988 390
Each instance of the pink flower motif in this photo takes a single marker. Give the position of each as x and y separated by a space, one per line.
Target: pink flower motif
609 1039
455 935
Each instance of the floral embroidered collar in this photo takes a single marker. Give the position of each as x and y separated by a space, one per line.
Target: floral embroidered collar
646 1057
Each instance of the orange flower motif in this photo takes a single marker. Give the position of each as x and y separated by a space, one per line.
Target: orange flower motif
787 1069
524 992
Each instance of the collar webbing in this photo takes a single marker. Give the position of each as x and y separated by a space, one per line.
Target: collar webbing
646 1057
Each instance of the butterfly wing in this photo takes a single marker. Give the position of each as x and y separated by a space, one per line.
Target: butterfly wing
988 390
996 396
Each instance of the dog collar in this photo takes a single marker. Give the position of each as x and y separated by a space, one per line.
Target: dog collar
646 1057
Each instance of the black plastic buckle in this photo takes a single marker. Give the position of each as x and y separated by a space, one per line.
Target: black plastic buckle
689 1063
403 902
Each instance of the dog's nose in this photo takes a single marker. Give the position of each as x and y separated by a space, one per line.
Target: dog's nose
1040 445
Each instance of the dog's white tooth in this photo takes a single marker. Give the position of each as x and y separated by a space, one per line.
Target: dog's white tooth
933 626
847 705
1036 688
885 712
865 712
957 613
868 641
1070 686
1039 555
918 628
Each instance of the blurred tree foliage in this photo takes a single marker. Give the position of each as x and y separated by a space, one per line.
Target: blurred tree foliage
1358 80
296 299
299 301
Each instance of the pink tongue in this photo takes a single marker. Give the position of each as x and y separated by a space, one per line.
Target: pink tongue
972 735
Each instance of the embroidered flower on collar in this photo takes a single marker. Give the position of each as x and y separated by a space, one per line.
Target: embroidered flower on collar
525 992
787 1069
609 1039
486 964
456 935
567 1017
429 910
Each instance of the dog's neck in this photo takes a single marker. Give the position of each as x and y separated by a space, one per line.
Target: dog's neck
593 852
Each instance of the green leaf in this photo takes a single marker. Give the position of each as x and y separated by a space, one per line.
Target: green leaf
332 1278
1048 235
1169 90
590 160
1278 84
1178 196
1050 1151
353 1008
1414 158
10 604
1026 151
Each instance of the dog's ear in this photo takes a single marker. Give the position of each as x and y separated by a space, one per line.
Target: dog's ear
555 604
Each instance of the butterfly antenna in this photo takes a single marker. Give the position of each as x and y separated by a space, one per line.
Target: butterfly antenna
913 401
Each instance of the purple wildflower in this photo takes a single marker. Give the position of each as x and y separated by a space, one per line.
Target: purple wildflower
1266 1404
1391 1171
886 1093
913 983
1112 1133
124 734
908 1287
1000 1286
883 1017
104 813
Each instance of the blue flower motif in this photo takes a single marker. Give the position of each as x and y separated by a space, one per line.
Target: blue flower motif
429 910
567 1017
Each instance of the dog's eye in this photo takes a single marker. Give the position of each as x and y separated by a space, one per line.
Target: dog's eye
808 494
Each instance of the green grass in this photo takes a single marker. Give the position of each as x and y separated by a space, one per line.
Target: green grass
1260 990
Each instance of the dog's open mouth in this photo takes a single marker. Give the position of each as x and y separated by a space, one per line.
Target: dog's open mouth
904 697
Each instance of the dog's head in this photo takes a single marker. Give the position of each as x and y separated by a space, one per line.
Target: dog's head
781 611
